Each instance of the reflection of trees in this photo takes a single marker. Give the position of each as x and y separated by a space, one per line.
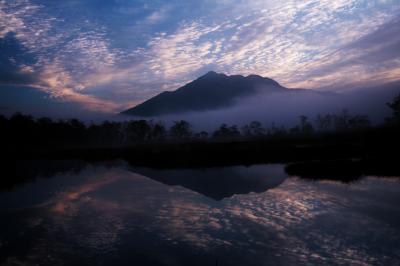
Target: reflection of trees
20 172
344 170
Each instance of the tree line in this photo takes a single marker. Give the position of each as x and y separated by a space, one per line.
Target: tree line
25 131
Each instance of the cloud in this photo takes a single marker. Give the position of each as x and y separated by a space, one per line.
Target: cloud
15 62
121 53
63 58
374 58
158 15
287 42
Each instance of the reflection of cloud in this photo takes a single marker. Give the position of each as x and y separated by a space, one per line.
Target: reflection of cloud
290 221
195 223
63 201
319 223
66 210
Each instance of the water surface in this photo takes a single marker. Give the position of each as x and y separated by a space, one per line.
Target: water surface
123 215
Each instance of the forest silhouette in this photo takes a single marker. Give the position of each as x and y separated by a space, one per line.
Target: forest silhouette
341 147
325 136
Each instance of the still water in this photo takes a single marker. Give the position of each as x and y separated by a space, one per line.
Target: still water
117 214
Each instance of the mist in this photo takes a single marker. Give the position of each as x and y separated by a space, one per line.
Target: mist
281 108
284 108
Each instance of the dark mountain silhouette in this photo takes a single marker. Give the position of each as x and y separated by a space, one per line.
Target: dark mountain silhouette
209 92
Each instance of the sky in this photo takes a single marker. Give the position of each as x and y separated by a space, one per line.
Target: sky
107 55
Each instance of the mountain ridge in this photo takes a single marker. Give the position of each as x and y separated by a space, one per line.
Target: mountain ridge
208 92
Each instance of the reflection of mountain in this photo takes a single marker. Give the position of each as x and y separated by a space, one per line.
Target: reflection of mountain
211 91
222 182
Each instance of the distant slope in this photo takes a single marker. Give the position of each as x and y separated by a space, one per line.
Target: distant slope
209 92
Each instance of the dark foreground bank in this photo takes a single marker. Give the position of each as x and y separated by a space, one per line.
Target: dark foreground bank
380 144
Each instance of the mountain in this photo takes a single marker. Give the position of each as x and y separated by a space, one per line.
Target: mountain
209 92
219 183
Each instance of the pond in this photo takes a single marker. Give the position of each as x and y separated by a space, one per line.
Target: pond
119 214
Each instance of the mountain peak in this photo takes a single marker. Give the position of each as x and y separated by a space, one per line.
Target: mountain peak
262 80
253 76
211 74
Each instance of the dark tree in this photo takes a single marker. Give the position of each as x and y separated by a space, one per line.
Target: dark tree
110 132
202 135
305 126
295 130
158 132
138 130
4 130
277 131
341 121
254 129
181 130
358 122
227 132
395 106
323 122
22 130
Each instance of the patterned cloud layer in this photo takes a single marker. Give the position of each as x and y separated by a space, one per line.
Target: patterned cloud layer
111 54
